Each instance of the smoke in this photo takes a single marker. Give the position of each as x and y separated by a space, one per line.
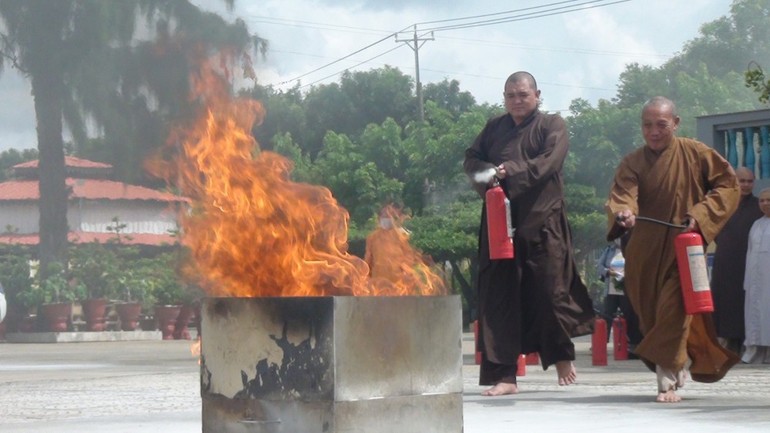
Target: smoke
485 176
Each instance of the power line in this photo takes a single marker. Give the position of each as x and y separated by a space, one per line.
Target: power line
359 64
495 13
527 16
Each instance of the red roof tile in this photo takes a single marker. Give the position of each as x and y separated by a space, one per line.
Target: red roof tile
87 237
90 189
69 161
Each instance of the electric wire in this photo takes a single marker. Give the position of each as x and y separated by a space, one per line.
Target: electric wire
554 11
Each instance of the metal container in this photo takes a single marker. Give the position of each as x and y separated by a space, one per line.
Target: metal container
332 364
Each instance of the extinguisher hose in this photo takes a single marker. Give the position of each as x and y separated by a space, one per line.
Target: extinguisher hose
653 220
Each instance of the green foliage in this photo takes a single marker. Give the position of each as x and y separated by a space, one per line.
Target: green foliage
159 279
54 287
755 80
11 157
15 275
448 232
97 268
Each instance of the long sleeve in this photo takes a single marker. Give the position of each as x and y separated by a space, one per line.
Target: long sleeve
524 174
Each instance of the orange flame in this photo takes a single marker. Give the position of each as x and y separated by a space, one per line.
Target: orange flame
252 231
195 349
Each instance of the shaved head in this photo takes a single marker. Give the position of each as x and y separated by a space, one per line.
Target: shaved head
660 102
745 180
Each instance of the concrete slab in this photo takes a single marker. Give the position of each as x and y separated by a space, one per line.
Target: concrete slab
80 337
134 386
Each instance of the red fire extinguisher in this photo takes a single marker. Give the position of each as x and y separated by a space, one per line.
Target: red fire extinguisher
693 274
599 342
499 227
619 337
521 365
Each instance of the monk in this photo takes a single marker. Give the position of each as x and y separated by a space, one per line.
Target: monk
676 181
535 302
730 255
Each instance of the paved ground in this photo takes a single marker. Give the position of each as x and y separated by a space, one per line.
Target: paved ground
122 387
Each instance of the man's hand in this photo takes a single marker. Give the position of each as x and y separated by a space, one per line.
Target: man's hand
625 219
500 172
692 225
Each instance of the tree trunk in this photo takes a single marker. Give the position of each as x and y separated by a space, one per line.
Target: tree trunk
46 68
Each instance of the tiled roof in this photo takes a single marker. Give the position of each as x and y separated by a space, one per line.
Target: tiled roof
87 237
90 189
69 161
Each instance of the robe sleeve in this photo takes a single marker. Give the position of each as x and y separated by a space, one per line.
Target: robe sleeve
476 160
623 195
525 173
722 196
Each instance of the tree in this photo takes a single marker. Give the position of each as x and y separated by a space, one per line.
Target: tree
11 157
755 80
56 44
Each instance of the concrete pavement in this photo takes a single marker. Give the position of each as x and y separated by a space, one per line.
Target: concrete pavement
133 386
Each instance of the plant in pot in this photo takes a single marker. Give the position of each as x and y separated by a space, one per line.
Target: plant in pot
92 265
16 280
132 290
57 293
166 290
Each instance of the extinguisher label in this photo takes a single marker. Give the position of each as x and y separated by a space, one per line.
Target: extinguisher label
698 271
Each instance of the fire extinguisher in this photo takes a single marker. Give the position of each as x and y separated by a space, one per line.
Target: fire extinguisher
619 337
499 226
599 342
693 274
521 365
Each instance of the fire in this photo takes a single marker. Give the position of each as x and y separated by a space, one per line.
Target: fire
195 348
252 231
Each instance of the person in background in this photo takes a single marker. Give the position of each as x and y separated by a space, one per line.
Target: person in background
611 270
536 301
757 286
676 181
730 255
387 246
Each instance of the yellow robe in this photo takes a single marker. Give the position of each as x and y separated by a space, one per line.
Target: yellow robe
686 178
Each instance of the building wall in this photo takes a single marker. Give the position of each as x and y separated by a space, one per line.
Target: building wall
94 216
743 138
138 216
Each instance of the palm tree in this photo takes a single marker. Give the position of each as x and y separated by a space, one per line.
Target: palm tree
78 55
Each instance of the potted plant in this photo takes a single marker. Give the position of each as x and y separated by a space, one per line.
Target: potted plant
92 265
16 280
57 293
166 291
131 290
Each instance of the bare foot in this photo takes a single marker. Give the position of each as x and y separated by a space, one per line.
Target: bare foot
501 389
566 372
669 396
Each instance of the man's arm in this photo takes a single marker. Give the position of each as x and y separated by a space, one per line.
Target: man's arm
476 160
622 206
722 197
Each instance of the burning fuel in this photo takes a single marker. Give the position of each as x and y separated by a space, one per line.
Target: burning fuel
254 232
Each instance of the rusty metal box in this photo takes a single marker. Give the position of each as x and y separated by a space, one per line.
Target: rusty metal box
332 364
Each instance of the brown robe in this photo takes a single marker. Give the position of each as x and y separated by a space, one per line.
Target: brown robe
727 273
535 302
686 178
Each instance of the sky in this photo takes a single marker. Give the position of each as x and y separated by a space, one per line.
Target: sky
575 48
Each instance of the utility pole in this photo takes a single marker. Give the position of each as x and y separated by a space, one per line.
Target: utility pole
415 43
